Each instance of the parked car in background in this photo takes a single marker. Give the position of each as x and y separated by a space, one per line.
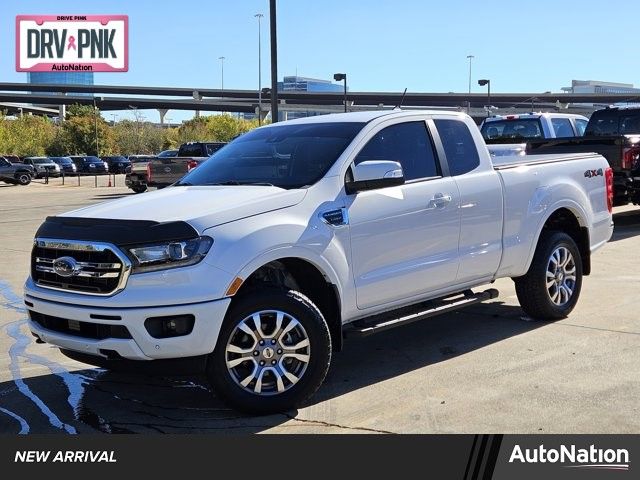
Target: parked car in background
66 165
507 128
89 164
164 171
167 153
136 178
43 166
117 163
15 173
612 132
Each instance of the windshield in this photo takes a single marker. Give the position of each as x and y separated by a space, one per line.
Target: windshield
41 161
93 160
287 156
517 128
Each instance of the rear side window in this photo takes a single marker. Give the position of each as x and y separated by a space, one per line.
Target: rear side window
562 127
407 143
461 150
581 126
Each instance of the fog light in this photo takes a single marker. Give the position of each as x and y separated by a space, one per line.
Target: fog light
170 326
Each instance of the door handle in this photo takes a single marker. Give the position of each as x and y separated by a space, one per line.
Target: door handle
440 200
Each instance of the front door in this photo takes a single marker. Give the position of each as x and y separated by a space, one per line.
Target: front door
404 239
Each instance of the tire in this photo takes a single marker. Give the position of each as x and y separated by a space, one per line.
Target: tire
139 188
23 178
287 378
551 287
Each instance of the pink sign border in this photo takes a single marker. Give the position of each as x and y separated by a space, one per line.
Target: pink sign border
101 67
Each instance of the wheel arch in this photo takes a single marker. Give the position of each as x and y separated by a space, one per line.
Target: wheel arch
304 275
572 221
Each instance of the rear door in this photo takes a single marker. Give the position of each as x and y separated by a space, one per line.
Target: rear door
480 246
404 239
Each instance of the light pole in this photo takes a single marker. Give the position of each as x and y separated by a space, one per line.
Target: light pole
339 77
487 82
274 60
470 57
95 124
222 59
259 17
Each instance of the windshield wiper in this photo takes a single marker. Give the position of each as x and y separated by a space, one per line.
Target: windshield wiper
183 184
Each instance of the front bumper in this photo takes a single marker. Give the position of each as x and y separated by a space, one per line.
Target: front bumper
142 346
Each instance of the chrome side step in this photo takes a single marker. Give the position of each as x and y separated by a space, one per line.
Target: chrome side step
421 311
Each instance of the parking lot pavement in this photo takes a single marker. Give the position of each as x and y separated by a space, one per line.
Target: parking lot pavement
484 369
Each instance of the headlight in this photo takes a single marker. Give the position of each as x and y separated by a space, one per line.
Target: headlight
162 256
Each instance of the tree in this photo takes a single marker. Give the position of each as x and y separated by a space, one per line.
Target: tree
79 132
27 135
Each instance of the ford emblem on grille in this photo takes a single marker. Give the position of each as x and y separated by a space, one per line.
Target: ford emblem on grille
167 169
65 266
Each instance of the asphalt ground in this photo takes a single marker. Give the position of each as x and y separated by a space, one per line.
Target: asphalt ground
486 369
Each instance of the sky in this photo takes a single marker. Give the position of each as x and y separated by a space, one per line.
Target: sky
421 45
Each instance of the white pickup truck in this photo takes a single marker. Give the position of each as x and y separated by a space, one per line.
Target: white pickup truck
298 233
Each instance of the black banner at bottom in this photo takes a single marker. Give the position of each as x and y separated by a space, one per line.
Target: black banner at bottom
467 457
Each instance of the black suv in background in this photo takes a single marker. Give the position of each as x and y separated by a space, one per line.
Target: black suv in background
66 165
117 163
89 164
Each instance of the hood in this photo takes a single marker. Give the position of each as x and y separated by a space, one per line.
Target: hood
201 206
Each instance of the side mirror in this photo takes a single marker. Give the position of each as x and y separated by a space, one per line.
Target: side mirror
373 174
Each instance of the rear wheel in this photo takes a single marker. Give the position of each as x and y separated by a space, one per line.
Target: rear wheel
551 287
139 188
272 354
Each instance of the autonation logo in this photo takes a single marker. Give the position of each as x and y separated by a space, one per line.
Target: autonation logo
589 458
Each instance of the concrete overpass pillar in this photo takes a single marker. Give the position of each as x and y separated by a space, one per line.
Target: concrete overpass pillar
162 112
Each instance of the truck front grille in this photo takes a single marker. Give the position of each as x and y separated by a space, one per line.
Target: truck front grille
80 267
96 331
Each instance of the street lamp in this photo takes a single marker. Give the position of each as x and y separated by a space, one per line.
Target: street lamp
470 57
221 75
487 82
342 77
259 17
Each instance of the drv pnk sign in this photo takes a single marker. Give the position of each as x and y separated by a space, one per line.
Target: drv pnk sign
72 43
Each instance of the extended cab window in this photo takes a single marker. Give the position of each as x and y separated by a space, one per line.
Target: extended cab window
459 147
407 143
581 126
562 127
630 124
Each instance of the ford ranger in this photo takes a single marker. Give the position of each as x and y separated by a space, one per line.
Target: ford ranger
296 234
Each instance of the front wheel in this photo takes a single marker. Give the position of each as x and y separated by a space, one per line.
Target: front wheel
551 287
23 178
272 354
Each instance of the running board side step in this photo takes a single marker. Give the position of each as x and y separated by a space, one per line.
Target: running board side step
387 321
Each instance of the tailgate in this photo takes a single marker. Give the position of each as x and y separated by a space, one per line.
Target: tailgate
165 171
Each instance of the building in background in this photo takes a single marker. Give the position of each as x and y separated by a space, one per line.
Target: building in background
596 86
294 83
61 78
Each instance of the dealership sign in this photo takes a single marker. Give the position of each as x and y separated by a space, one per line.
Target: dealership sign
72 43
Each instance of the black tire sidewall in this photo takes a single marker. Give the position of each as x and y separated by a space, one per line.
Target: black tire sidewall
20 176
537 272
301 308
